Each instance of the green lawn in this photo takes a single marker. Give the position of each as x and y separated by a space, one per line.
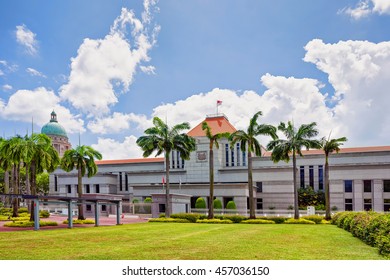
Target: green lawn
168 241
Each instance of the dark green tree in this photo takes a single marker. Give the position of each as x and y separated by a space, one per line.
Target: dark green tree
163 140
248 142
82 158
295 140
329 146
213 138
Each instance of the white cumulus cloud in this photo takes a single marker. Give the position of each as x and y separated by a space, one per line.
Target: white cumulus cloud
7 87
102 65
26 38
112 149
118 122
24 105
364 8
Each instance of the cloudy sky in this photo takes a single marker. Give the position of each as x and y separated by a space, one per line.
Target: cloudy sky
108 67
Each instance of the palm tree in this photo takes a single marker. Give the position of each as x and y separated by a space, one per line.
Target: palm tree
39 155
82 158
248 141
162 139
213 140
4 164
329 146
292 145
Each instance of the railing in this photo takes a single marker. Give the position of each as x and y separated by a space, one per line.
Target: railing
265 213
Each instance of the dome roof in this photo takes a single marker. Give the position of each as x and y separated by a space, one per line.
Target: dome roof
53 127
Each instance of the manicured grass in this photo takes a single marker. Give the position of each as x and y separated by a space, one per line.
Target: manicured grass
169 241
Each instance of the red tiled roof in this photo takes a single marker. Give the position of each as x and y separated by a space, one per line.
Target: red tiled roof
344 150
124 161
218 124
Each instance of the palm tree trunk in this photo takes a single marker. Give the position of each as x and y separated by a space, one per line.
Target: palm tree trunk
6 186
327 191
167 203
80 194
15 187
33 185
252 214
296 207
28 190
211 172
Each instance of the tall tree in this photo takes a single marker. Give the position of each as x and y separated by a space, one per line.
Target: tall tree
249 142
213 141
292 145
82 158
329 146
40 156
163 139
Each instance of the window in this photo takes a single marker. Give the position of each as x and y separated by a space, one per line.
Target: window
126 182
69 188
177 159
120 181
386 204
104 208
227 154
311 176
238 154
320 177
259 187
173 159
348 186
226 200
55 183
232 158
367 204
259 203
302 176
89 207
97 188
243 158
87 188
386 185
367 185
161 208
348 205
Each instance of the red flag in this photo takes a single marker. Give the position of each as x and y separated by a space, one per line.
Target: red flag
219 102
163 180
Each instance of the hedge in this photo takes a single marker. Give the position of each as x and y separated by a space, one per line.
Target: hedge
277 220
315 218
30 224
299 221
168 220
191 217
214 221
371 227
80 222
234 218
257 221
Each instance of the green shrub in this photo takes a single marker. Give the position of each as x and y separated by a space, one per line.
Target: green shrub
6 211
168 220
214 221
217 204
234 218
373 228
191 217
315 218
30 224
200 203
21 218
44 214
80 222
148 200
299 221
257 221
135 200
231 205
22 210
277 220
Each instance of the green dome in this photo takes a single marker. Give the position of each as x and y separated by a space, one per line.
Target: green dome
53 127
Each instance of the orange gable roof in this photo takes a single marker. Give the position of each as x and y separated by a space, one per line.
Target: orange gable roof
217 123
125 161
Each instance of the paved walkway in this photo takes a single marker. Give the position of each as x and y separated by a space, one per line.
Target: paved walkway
103 221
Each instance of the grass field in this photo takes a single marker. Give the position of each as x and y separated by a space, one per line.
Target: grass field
161 241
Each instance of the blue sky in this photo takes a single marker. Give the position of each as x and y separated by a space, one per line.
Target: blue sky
109 67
